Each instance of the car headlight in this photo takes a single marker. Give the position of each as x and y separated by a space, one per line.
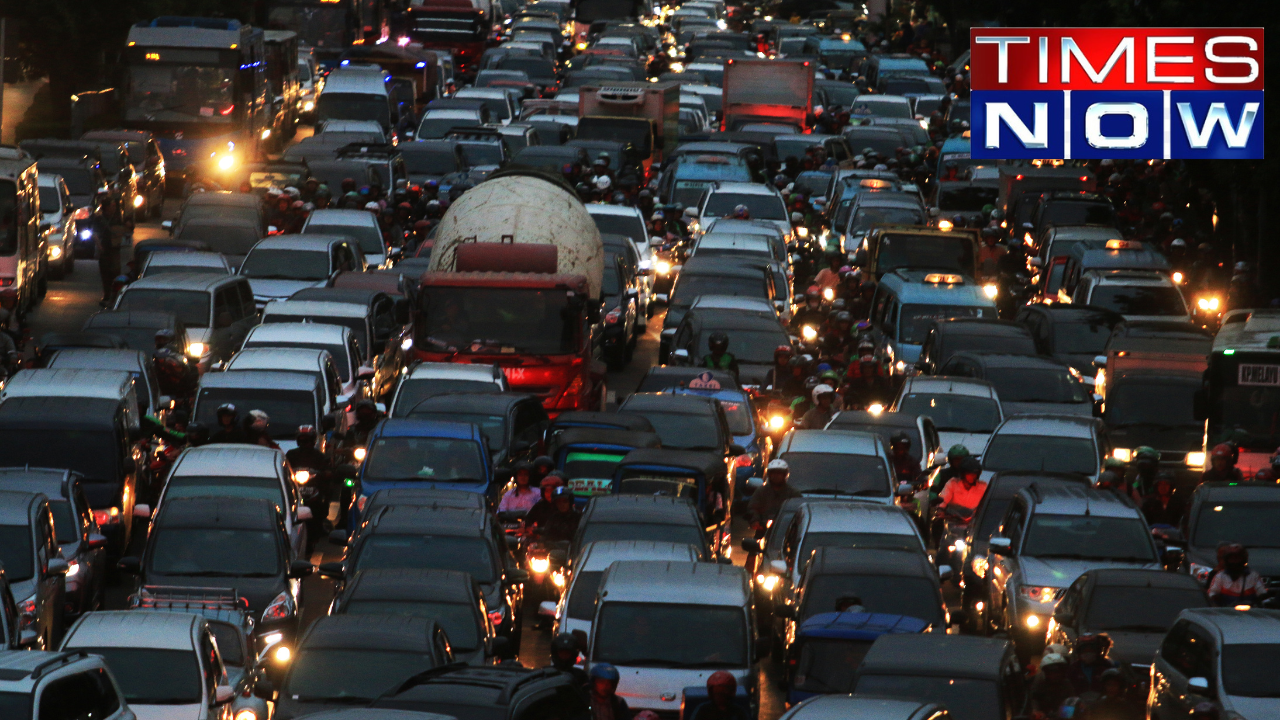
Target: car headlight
226 162
875 408
1122 454
308 106
979 566
55 252
990 290
662 267
279 609
247 714
1208 304
359 454
539 564
1195 459
195 349
768 582
945 225
1035 593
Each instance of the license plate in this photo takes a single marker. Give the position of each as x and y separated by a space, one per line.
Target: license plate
586 487
1259 375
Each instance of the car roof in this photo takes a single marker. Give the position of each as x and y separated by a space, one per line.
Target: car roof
60 413
99 359
623 210
71 382
712 319
181 258
732 302
354 218
218 512
413 584
134 628
871 561
259 379
1010 360
599 555
52 482
857 516
910 288
838 442
315 308
423 428
301 359
299 332
744 188
1050 425
674 375
428 520
452 371
692 583
862 418
1009 483
1240 627
942 384
229 459
937 654
428 497
132 318
394 633
197 282
641 509
1131 577
489 402
708 463
982 326
1071 499
311 242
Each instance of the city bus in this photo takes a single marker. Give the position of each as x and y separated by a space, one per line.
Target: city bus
1240 396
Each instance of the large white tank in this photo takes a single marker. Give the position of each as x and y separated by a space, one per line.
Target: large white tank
523 208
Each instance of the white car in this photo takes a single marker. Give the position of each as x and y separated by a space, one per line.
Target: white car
1046 443
426 379
161 262
628 221
763 202
338 340
965 411
281 265
838 462
358 225
56 224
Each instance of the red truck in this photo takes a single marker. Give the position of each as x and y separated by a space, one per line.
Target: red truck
774 92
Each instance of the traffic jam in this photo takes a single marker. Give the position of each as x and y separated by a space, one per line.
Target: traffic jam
611 360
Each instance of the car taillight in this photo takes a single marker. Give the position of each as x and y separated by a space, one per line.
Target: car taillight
107 516
279 609
27 609
613 316
496 616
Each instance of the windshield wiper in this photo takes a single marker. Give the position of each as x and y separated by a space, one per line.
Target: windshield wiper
1162 426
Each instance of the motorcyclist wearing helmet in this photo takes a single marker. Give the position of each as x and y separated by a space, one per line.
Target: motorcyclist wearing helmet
956 455
1049 689
1222 465
865 383
824 397
839 342
306 456
740 212
564 657
313 472
1236 584
1089 662
720 358
1162 506
521 497
1145 465
767 501
721 689
782 376
811 312
906 466
1117 702
561 523
1112 476
545 506
965 491
828 278
229 430
542 466
605 703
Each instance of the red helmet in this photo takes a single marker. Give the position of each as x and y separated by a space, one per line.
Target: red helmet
782 351
720 678
1222 450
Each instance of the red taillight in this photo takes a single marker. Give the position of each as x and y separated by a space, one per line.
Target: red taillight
6 282
742 461
227 110
1084 178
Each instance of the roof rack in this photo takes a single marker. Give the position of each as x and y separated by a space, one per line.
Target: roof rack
57 661
167 597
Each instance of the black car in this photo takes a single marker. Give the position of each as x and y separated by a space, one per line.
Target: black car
35 571
514 424
752 340
1074 334
948 337
508 692
551 157
452 599
976 678
620 308
79 541
431 537
148 162
137 328
1071 207
1220 512
355 659
715 275
436 160
235 543
685 422
1134 607
1026 383
642 517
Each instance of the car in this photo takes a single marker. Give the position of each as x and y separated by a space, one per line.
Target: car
500 103
962 411
1135 294
242 206
281 265
235 470
973 677
418 453
312 361
374 652
174 261
1155 407
838 462
138 364
752 341
227 234
426 379
356 316
1050 535
736 226
450 598
506 692
1027 384
688 175
619 327
290 399
1135 608
358 225
949 336
57 225
1218 654
1047 443
878 208
514 424
147 160
1073 334
834 707
715 275
1220 512
217 310
160 660
35 570
38 685
388 313
907 305
1071 207
685 422
439 537
769 548
925 440
136 329
641 517
340 342
433 160
79 542
762 201
733 244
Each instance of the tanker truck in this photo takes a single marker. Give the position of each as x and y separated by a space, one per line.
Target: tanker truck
514 281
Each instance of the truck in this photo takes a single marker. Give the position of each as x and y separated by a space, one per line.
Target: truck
1020 184
458 27
777 92
514 281
645 115
326 26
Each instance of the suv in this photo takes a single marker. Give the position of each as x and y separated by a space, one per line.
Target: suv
34 567
1135 294
217 310
506 692
1221 512
426 379
1223 654
59 685
1050 535
1047 443
762 201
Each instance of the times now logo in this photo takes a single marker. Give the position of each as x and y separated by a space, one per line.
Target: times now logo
1140 93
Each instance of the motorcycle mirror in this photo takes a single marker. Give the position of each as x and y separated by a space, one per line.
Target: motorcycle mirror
547 608
905 490
778 566
944 572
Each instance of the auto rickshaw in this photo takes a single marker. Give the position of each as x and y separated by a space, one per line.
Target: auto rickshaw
702 477
588 456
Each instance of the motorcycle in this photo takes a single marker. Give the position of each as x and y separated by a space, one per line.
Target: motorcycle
954 530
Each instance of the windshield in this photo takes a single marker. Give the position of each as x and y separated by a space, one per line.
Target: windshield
828 665
1038 385
1251 525
251 488
413 392
582 599
749 346
337 352
483 319
353 106
878 541
153 677
965 197
15 704
885 143
759 207
401 459
50 202
16 552
1248 670
681 534
214 552
1039 452
916 320
967 699
1139 299
180 93
688 287
227 239
1080 337
840 474
459 621
683 431
591 473
628 225
895 594
319 674
493 427
1159 404
287 409
1077 213
95 455
436 126
192 308
954 413
671 635
1089 537
925 251
868 216
1250 415
434 162
1139 609
428 552
271 264
672 485
366 236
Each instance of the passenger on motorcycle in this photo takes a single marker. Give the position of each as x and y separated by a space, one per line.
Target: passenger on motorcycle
782 377
1049 689
229 430
1116 703
1236 584
721 688
720 358
605 703
1222 465
544 507
1090 662
767 501
561 523
521 497
824 397
956 455
906 467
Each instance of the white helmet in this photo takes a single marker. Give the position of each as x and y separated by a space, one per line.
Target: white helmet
822 389
778 464
1051 660
373 206
603 182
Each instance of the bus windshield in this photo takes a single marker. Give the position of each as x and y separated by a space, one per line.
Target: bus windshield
181 93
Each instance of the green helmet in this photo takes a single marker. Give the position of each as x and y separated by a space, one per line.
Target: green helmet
1145 452
1112 463
957 452
830 375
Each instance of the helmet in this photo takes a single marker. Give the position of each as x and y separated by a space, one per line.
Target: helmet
1052 660
720 678
543 461
1112 674
741 211
1222 450
552 481
1178 243
830 377
777 464
821 390
564 642
1235 550
164 334
560 491
306 431
1145 452
259 416
524 465
900 438
957 451
718 341
603 182
1090 640
813 293
811 382
226 409
657 217
782 351
604 671
844 317
373 206
797 218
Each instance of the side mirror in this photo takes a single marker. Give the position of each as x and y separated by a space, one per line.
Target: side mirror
338 537
299 569
263 689
331 570
751 545
755 483
58 566
944 572
305 514
28 639
778 566
1000 545
96 541
223 694
680 356
547 608
1199 684
737 449
364 373
141 511
1099 361
904 490
129 565
167 225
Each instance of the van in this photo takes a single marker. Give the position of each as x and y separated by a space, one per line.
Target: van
22 262
217 310
289 399
356 93
907 302
135 362
686 620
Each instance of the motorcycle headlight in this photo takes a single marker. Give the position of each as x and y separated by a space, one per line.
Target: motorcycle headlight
808 333
828 294
359 454
1195 459
195 349
979 566
777 422
539 564
768 582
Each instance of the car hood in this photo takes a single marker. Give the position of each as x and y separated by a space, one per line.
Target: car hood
1179 439
1061 572
166 712
752 373
1254 707
258 592
264 289
648 688
1134 648
1082 409
975 442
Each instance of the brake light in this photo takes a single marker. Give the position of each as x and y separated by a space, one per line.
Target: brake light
613 316
6 282
107 516
742 461
496 616
279 609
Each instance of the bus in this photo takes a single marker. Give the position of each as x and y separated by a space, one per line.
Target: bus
1239 399
200 86
327 26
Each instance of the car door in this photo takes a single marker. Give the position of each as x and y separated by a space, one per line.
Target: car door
80 695
52 584
1186 652
1003 566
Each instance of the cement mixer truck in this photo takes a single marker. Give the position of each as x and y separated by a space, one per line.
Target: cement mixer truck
514 281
